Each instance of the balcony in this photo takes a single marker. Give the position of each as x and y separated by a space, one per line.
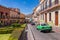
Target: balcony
14 17
4 15
51 6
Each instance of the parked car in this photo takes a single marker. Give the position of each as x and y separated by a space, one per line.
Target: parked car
32 23
44 27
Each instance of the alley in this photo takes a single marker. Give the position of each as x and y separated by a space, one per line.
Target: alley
37 35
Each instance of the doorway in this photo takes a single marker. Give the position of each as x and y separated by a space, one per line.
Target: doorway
46 17
56 18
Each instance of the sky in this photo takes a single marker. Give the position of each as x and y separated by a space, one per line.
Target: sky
25 6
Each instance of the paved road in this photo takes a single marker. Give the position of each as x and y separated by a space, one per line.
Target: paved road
37 35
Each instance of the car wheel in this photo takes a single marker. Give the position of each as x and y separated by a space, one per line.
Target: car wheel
45 31
42 30
50 30
37 28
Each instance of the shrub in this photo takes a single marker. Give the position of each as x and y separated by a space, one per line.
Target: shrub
16 34
1 24
6 30
15 25
23 25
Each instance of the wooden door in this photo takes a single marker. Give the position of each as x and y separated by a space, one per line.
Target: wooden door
46 17
56 18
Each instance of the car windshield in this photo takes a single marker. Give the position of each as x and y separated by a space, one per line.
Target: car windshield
44 24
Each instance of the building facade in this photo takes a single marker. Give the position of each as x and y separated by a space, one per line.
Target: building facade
22 18
49 11
14 15
4 15
10 15
35 15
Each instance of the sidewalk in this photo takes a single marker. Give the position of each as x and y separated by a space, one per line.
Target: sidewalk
56 29
29 34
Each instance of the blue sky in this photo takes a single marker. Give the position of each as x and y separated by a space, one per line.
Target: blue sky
25 6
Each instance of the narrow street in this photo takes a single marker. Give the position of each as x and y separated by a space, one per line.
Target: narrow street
25 19
34 34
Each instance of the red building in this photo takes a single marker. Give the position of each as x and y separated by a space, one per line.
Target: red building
4 15
10 15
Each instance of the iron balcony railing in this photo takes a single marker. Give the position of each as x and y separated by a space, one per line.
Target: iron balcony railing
50 5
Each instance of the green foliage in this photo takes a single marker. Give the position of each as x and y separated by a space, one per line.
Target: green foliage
16 34
1 24
4 36
15 30
5 30
23 25
15 25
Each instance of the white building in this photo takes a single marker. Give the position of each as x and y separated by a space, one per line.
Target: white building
49 11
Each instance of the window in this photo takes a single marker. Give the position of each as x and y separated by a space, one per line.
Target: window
46 4
1 14
53 2
50 3
49 16
6 15
56 1
43 6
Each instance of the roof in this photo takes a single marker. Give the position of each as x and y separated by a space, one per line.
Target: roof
22 15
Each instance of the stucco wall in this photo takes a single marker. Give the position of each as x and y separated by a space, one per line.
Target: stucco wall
53 17
47 17
59 17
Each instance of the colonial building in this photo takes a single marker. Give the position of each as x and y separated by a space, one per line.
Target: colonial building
35 15
22 18
10 15
49 11
4 15
14 15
